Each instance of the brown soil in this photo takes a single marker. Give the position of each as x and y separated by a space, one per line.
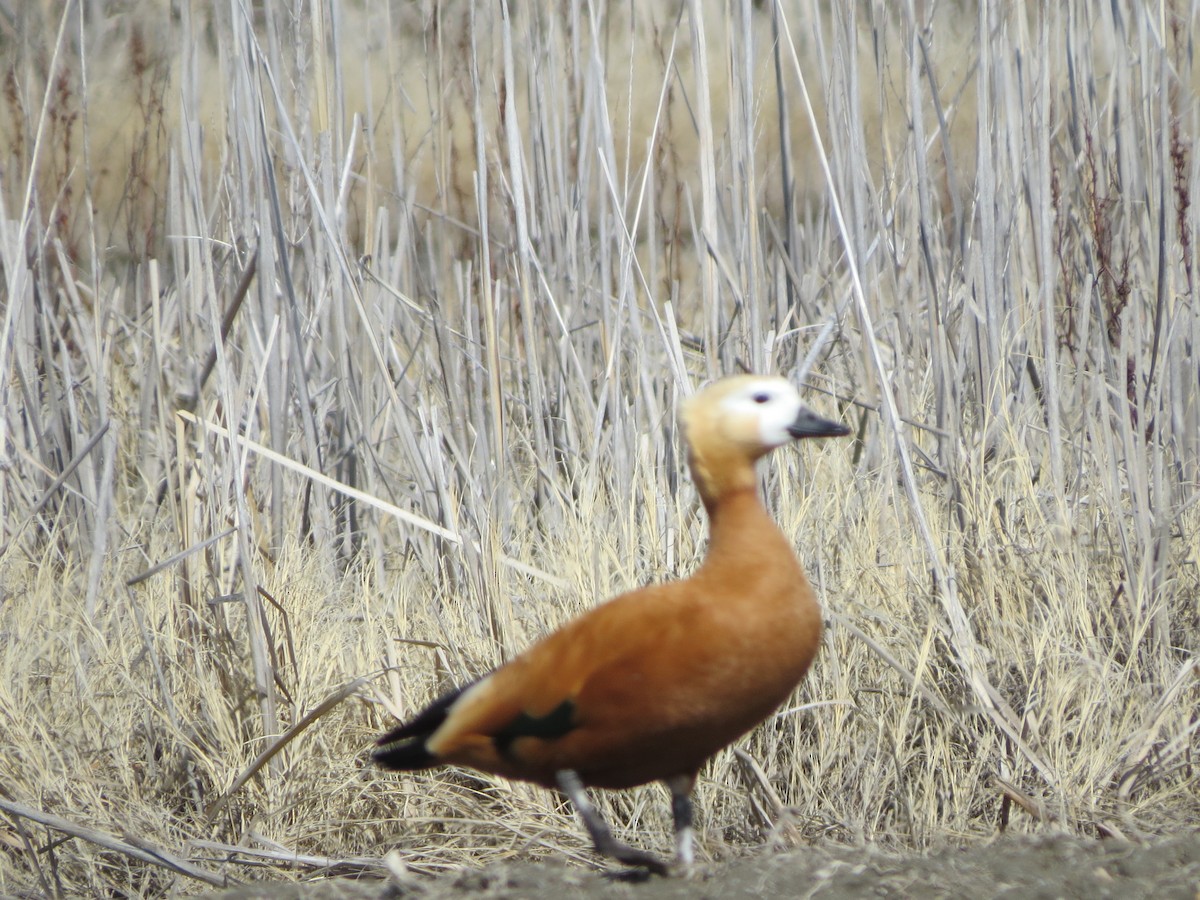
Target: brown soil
1028 868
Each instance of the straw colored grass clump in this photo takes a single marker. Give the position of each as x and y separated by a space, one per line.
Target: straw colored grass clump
341 353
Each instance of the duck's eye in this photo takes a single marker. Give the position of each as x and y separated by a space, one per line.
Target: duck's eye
762 397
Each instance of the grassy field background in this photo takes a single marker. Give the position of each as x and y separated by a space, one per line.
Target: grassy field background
341 350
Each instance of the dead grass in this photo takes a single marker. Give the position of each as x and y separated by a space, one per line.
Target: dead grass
446 275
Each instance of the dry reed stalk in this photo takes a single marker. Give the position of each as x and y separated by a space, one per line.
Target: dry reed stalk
131 847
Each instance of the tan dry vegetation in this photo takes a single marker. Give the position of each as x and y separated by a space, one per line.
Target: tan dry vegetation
447 278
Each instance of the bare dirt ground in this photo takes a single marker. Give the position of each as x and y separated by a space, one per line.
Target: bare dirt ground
1026 868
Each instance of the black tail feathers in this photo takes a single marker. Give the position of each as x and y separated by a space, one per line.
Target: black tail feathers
403 748
406 756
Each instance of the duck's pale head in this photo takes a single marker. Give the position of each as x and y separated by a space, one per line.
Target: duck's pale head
734 421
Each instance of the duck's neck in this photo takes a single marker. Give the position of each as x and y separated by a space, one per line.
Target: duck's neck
741 532
720 477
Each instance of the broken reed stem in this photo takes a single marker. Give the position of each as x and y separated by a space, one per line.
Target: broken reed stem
405 516
131 847
278 744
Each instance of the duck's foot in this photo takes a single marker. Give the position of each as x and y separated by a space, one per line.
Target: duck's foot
602 838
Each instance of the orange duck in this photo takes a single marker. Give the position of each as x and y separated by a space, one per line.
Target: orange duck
649 685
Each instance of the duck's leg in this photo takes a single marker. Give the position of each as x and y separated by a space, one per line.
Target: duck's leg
602 838
680 787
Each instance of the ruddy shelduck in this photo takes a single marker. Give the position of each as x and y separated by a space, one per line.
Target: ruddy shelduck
649 685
